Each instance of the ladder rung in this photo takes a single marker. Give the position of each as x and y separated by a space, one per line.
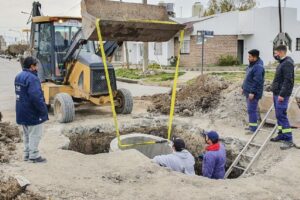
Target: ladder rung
255 144
247 155
241 168
264 130
271 121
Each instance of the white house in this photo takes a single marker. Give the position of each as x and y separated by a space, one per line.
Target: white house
158 53
256 28
235 32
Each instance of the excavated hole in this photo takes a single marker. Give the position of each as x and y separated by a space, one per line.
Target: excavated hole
149 150
95 140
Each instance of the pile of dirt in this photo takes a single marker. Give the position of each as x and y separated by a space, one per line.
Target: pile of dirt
9 136
232 107
202 95
10 189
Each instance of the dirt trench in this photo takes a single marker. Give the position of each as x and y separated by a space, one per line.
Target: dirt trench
96 139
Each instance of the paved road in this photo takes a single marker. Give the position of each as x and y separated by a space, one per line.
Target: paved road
140 90
9 69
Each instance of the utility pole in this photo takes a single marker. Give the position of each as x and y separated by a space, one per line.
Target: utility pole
145 56
280 18
27 31
126 51
283 15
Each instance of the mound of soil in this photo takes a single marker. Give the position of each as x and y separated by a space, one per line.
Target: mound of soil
200 96
10 189
9 136
232 107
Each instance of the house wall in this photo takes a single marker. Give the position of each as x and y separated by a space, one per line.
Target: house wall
213 49
257 27
266 28
167 52
222 24
136 58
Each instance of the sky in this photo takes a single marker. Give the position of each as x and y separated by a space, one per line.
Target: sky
12 21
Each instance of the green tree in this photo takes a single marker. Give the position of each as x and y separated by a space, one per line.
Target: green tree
246 4
227 5
215 6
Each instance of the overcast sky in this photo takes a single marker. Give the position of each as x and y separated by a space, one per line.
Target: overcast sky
12 20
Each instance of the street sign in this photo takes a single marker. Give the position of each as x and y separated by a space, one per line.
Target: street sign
207 33
201 35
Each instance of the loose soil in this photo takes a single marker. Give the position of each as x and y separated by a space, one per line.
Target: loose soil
232 107
9 136
11 190
202 95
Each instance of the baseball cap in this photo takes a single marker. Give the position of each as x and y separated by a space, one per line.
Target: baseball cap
212 135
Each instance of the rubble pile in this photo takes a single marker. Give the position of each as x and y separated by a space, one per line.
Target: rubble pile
9 136
202 95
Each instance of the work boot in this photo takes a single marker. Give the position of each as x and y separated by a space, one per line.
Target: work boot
286 145
38 160
278 138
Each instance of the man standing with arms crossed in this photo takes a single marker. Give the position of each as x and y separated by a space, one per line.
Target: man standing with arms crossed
31 109
282 88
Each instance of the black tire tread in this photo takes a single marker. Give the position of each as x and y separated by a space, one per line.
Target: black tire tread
128 102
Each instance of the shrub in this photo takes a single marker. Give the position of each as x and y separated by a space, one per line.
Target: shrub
173 61
228 60
154 66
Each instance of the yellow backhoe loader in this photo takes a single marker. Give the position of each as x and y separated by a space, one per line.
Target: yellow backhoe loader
70 65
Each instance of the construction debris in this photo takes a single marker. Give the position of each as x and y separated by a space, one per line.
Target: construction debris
11 189
202 95
9 136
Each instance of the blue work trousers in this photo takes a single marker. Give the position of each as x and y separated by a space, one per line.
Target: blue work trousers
285 131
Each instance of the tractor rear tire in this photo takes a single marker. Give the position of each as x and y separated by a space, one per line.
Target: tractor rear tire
63 107
125 100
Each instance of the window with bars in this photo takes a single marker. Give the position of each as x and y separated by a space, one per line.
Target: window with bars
297 44
185 47
158 48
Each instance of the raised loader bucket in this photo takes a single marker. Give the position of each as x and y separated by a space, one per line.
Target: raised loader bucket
121 21
293 111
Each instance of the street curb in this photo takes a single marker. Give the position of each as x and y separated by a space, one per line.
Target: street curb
127 80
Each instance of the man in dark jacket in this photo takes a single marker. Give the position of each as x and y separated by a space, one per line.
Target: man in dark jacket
253 87
214 158
282 88
31 109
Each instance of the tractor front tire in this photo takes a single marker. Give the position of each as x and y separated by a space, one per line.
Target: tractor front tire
64 109
125 101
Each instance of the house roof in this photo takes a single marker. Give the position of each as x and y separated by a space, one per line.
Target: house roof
191 19
189 22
